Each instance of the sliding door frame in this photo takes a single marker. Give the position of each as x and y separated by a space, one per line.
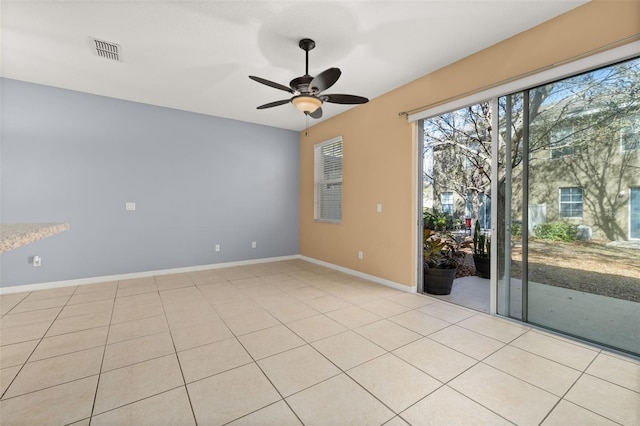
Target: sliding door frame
597 60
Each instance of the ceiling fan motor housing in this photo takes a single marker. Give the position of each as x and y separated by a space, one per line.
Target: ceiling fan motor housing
301 84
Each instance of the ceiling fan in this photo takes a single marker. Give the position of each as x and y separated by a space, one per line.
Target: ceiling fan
306 89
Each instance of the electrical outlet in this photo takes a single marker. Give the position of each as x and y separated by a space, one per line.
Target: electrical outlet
129 206
37 261
360 255
217 247
253 244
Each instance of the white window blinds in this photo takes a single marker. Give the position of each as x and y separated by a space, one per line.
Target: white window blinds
328 181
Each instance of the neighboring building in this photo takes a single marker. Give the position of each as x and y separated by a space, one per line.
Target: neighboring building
588 173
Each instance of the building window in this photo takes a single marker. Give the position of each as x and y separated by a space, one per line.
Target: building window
571 203
328 181
446 202
630 133
561 141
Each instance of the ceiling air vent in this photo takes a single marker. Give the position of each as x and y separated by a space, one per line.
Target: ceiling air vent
107 50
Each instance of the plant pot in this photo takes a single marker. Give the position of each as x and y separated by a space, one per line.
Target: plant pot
483 265
438 281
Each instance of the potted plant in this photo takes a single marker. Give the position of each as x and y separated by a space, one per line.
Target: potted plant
441 256
481 252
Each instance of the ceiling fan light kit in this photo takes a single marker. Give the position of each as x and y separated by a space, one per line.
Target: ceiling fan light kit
306 89
306 104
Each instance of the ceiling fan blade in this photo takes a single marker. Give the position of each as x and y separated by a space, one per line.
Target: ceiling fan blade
316 114
324 80
274 104
270 83
344 99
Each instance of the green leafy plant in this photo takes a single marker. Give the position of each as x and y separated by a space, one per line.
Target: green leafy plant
437 220
441 251
516 229
556 231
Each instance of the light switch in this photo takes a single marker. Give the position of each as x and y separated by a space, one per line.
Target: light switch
379 208
129 206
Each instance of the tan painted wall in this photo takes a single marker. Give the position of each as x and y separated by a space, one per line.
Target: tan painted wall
380 148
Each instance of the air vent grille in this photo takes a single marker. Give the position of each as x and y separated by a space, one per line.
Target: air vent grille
108 50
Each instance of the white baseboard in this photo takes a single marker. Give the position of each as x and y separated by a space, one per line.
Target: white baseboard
120 277
96 280
378 280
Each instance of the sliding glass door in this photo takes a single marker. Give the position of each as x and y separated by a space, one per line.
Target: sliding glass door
568 176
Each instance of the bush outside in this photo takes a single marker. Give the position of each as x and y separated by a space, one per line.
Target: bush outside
556 231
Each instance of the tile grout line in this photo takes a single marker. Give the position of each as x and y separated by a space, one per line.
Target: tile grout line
36 347
342 371
282 398
27 294
184 381
562 398
104 351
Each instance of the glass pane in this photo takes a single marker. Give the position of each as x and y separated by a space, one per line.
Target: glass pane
634 214
583 276
329 198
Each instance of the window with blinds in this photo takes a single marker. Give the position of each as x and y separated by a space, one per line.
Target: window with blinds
328 181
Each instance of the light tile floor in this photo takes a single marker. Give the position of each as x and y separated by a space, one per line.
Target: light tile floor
291 343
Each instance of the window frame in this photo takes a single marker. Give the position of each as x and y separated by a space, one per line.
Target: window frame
452 204
321 180
565 147
570 202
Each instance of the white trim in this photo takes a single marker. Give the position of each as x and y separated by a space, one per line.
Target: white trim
362 275
120 277
556 73
328 141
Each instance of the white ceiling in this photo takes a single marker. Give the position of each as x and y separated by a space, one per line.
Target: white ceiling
197 55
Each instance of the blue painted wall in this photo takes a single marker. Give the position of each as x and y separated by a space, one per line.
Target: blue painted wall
196 180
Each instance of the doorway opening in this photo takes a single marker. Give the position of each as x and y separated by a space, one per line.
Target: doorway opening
456 195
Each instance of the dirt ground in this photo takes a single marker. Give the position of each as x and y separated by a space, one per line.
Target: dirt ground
592 267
